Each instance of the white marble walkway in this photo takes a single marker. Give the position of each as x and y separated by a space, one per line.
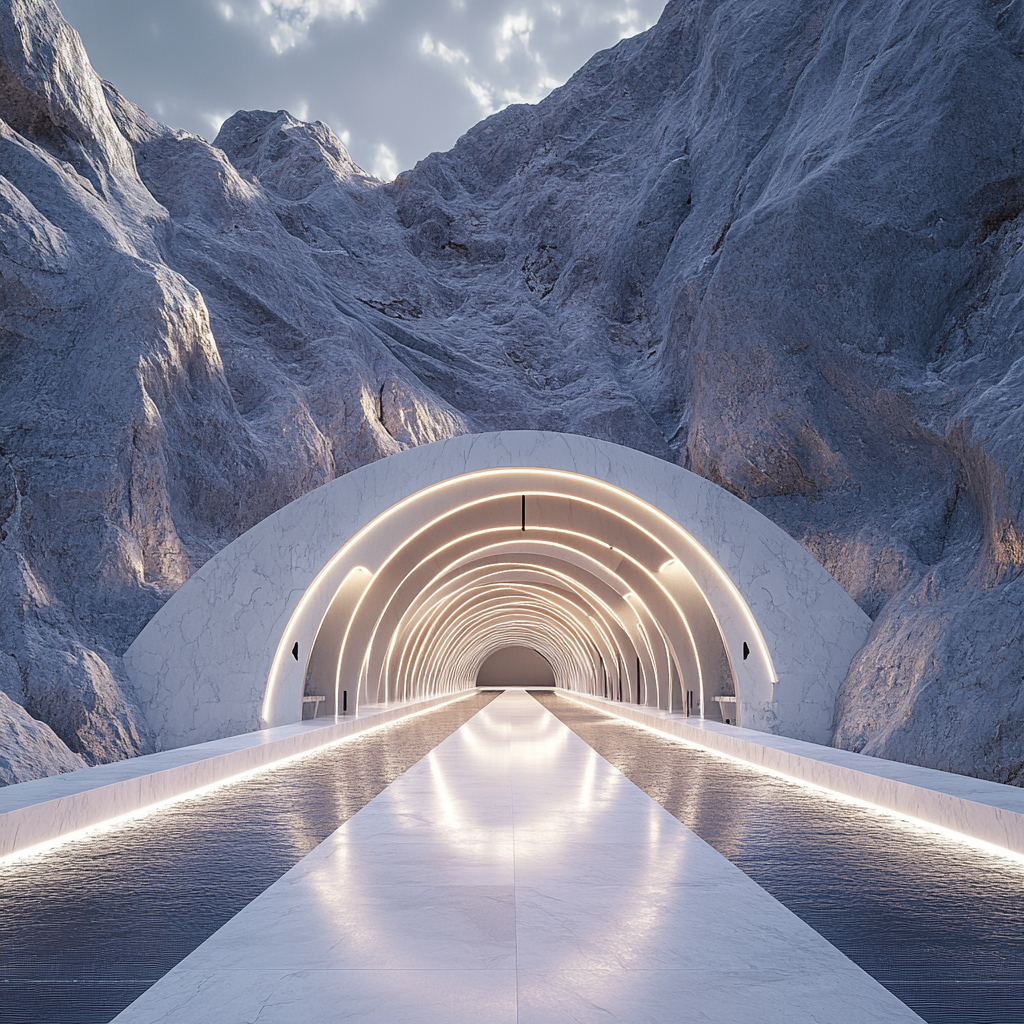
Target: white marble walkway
513 875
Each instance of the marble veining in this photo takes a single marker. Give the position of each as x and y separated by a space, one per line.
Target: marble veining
201 665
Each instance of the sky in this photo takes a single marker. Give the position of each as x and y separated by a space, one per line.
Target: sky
394 79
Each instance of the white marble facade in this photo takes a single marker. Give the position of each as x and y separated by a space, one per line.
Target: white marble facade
201 666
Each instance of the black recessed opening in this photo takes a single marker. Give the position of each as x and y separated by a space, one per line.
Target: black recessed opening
295 651
746 651
524 511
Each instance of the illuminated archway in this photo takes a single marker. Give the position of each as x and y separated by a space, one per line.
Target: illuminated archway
634 579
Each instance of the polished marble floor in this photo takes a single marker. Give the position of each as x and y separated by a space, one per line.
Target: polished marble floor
514 875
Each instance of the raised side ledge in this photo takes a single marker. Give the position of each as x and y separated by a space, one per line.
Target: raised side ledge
979 810
44 810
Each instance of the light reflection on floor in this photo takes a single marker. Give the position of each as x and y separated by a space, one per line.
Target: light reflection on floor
939 923
87 927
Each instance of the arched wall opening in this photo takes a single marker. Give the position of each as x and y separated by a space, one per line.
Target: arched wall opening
619 599
633 579
515 666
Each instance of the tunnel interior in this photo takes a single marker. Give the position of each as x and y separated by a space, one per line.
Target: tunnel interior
516 666
557 576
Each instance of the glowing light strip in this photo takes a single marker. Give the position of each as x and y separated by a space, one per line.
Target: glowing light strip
429 609
474 632
411 624
526 613
538 540
456 630
520 471
427 649
109 824
483 577
902 816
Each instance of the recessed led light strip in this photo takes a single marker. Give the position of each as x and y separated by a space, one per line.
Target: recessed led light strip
860 782
33 829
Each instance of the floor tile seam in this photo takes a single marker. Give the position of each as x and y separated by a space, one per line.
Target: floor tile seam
631 787
512 763
416 773
823 970
517 775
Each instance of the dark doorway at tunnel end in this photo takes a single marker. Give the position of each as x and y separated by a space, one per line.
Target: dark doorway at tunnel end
516 666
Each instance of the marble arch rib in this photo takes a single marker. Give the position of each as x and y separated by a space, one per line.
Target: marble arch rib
396 581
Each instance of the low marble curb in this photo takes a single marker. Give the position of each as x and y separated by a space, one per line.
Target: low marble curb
46 809
980 810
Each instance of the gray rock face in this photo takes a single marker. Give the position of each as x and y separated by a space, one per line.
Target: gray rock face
29 749
778 243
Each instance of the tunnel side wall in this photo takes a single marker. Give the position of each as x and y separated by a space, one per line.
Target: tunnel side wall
200 666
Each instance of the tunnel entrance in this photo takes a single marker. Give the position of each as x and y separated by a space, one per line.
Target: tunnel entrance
633 579
516 666
531 577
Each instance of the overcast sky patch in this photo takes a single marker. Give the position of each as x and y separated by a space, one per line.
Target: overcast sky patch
394 79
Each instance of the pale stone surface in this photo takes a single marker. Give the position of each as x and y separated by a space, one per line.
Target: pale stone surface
201 666
777 243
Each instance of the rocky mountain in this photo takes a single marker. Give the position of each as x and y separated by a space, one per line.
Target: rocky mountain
775 241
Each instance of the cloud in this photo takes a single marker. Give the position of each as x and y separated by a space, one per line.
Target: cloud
513 71
385 163
514 28
629 19
215 120
287 23
431 49
417 73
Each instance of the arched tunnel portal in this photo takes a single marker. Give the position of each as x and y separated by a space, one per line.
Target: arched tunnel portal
618 598
633 579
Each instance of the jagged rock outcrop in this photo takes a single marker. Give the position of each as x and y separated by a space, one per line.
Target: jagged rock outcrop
30 749
778 243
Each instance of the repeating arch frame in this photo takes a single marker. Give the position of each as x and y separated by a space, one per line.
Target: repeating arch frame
217 659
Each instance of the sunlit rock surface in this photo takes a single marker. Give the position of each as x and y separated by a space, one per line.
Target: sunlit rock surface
775 242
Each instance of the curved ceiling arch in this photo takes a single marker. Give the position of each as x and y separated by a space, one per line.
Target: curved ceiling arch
648 571
395 581
608 632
